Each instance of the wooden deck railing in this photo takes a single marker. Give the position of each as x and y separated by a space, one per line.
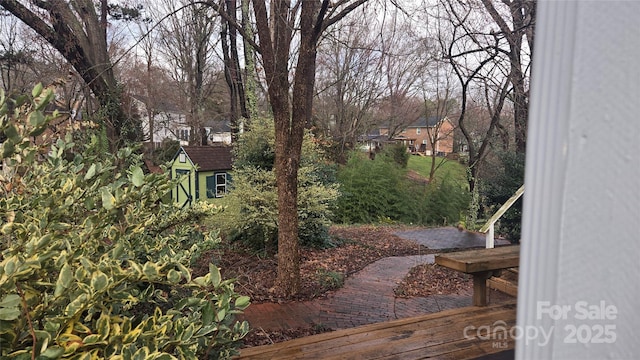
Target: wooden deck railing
463 333
487 229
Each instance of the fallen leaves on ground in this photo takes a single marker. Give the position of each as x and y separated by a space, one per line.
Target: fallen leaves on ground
321 270
258 337
432 279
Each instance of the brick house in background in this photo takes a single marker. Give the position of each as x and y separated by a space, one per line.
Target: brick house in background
416 135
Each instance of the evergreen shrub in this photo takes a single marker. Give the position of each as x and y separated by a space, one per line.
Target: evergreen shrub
374 191
251 213
503 177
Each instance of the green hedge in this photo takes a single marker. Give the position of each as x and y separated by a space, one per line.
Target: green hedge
379 191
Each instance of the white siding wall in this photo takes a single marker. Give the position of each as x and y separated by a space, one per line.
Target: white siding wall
581 221
224 138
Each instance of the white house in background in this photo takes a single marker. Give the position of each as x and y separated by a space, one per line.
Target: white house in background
170 123
218 132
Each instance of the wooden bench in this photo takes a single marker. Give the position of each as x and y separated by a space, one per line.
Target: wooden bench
450 334
482 264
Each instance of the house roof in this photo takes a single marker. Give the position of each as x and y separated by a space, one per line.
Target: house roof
160 104
209 158
421 122
218 126
430 121
374 138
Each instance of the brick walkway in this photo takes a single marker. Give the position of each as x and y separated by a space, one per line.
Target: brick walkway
367 297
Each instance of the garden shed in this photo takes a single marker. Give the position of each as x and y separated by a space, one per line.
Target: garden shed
205 170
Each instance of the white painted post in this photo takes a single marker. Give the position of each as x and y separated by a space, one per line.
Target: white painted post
490 243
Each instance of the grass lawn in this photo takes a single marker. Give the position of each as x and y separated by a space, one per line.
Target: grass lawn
450 168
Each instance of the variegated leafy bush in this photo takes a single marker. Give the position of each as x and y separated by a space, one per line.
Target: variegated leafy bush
94 262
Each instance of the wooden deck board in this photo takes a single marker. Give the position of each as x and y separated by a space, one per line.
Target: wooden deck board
472 261
431 342
438 335
386 343
482 264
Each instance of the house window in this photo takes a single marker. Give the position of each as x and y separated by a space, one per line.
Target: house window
217 185
424 142
184 134
418 131
182 158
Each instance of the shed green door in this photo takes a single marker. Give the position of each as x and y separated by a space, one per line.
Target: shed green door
183 190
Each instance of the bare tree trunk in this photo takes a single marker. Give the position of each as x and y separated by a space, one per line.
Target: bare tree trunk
289 125
189 48
148 105
250 65
231 83
235 61
275 42
291 110
523 20
288 163
79 34
432 170
232 73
